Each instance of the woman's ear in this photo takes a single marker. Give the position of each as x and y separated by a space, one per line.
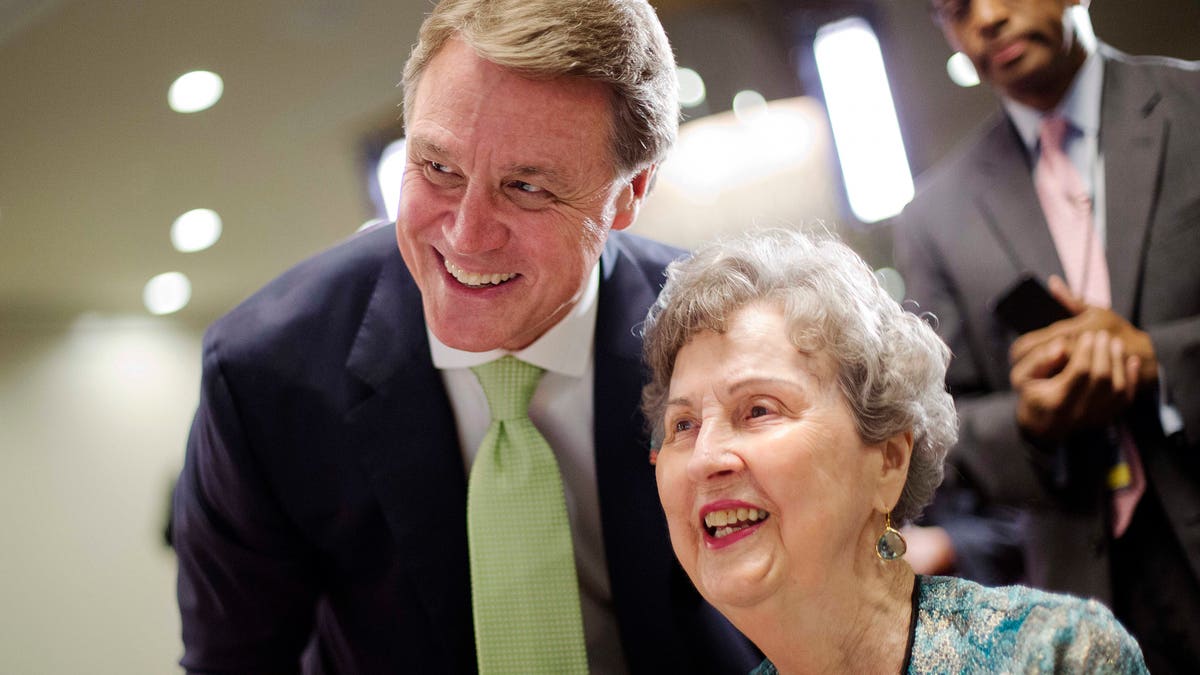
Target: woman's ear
896 451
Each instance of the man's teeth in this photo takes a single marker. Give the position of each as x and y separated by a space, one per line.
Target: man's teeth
722 523
473 279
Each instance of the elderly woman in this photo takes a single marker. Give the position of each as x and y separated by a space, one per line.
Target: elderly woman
800 416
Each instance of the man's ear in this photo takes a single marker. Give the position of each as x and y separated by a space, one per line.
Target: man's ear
893 473
630 199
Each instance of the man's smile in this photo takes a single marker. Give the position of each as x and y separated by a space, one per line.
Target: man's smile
475 279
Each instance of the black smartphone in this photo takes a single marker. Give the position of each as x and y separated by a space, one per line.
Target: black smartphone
1027 305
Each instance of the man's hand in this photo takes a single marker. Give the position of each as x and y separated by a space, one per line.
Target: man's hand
1064 388
1088 318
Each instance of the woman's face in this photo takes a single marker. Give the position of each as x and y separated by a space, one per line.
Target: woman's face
766 485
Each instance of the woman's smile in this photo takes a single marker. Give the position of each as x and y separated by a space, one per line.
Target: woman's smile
726 522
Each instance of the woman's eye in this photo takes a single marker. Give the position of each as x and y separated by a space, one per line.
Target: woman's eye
682 426
759 411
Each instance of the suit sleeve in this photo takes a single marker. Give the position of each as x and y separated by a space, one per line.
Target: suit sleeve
246 590
1177 348
1169 302
991 452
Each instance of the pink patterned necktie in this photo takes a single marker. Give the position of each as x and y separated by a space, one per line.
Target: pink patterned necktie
1068 211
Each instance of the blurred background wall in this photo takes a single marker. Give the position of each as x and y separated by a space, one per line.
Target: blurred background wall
96 391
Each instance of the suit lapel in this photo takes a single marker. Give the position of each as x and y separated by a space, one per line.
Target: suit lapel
1133 135
1004 193
407 441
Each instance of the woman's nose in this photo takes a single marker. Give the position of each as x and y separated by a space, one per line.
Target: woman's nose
714 454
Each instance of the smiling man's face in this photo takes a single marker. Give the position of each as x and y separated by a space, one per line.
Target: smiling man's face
509 193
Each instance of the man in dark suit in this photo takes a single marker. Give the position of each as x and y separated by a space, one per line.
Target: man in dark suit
1065 419
321 518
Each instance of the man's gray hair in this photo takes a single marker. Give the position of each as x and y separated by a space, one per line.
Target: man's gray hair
619 43
890 365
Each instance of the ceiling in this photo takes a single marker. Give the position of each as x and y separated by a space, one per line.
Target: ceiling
94 167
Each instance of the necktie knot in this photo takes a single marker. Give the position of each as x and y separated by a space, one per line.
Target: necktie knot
1053 131
508 383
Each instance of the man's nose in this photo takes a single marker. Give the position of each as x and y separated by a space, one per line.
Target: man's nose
714 455
477 226
989 15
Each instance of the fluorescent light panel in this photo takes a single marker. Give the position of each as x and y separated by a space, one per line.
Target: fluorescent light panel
863 118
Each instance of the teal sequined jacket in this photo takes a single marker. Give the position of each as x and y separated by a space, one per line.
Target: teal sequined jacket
963 627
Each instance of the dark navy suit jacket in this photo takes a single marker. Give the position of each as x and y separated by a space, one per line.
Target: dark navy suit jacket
322 505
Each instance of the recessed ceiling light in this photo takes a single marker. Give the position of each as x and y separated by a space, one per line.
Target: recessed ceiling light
892 282
961 70
196 230
749 105
167 293
195 91
691 87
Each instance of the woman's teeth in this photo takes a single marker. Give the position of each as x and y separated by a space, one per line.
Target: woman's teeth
728 521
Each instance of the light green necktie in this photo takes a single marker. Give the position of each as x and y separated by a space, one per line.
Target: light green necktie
524 591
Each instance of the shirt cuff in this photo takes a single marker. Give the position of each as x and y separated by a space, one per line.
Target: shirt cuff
1168 415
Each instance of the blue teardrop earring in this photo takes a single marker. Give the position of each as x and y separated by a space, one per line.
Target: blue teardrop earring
891 544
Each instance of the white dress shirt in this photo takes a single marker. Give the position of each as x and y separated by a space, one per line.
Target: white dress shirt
562 411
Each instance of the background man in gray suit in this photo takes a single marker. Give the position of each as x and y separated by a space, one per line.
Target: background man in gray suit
1045 418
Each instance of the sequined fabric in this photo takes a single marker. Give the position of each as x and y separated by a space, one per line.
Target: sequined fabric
963 627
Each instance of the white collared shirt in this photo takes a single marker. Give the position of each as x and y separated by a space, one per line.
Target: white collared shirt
562 411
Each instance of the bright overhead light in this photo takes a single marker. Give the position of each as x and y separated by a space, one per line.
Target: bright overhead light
892 282
195 91
749 105
196 230
691 87
863 118
720 153
961 70
389 173
167 293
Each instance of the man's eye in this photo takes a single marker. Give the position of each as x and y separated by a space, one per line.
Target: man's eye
440 168
951 9
526 187
682 426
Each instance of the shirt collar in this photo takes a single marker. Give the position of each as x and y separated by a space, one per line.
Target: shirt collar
564 349
1080 107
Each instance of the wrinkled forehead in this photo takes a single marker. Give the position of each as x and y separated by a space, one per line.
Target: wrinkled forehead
759 338
464 96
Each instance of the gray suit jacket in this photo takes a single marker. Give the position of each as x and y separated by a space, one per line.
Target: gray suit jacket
975 226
